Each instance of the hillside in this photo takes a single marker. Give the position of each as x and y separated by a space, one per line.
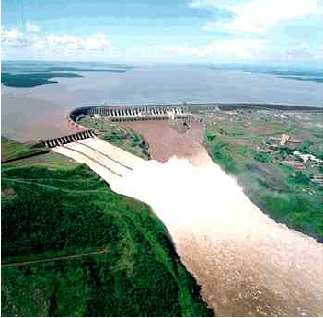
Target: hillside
73 247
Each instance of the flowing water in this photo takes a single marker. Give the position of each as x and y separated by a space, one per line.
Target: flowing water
246 264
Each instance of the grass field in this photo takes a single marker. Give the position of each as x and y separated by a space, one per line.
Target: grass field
73 247
124 138
12 150
237 140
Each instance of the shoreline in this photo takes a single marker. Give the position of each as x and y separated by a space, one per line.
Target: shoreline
203 106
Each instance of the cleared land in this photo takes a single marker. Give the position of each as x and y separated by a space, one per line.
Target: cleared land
73 247
246 143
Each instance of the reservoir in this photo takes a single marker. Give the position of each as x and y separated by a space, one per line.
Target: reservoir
39 112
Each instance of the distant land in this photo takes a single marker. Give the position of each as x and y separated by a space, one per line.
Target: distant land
32 79
31 74
311 79
302 74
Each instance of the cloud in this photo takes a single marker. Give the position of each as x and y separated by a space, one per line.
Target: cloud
209 4
222 50
253 50
13 38
263 30
32 28
73 44
298 52
38 44
258 16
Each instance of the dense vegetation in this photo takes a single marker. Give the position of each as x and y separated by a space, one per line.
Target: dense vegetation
286 194
30 74
32 79
72 247
124 138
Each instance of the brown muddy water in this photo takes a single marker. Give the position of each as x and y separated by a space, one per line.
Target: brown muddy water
247 264
38 112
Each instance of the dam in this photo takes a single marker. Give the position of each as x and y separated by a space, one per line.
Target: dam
132 113
59 141
117 114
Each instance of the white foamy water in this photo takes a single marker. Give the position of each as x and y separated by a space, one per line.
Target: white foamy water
246 263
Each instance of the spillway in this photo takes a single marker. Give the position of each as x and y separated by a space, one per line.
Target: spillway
247 264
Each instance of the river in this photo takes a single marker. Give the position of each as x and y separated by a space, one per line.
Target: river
246 264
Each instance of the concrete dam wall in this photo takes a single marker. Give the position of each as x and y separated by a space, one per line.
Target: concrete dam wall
132 113
59 141
118 114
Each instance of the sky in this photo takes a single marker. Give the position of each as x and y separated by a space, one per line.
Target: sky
171 31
